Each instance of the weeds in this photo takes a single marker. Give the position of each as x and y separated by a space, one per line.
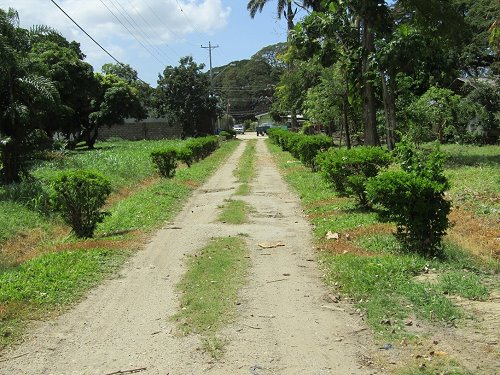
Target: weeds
234 212
209 287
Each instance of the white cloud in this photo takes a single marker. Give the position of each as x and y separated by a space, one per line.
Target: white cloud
169 29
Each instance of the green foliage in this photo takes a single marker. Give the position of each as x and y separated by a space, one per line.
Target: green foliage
210 285
185 155
183 93
226 135
57 278
434 115
301 146
348 170
78 196
414 199
165 161
202 147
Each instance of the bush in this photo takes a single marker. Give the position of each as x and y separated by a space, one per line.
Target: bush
348 170
202 147
226 135
309 146
185 154
78 195
413 198
166 161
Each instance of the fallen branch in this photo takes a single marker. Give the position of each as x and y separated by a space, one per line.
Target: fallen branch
246 325
11 358
131 371
275 281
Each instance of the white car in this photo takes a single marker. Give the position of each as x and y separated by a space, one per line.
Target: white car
239 129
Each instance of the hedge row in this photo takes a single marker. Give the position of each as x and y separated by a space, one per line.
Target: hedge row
301 146
412 196
193 150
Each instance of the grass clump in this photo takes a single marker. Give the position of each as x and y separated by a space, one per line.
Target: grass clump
210 289
245 171
234 212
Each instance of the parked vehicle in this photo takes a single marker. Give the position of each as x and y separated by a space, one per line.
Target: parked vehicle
239 129
262 129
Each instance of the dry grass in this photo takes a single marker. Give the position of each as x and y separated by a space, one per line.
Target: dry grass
478 235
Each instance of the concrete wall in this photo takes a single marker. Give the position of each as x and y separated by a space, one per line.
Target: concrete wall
146 129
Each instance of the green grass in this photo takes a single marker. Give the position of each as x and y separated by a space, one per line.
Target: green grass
474 174
50 282
210 289
16 218
234 212
384 284
123 162
245 171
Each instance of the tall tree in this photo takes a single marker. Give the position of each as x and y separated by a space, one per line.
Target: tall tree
24 96
183 93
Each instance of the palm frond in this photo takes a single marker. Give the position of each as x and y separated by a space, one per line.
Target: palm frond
42 85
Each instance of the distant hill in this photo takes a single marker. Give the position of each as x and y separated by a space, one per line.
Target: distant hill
246 87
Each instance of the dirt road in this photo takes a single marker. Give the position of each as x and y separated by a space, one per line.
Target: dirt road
285 324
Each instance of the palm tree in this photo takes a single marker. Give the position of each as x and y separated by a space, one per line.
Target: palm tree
22 95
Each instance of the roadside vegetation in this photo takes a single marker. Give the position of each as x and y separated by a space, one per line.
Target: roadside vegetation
210 290
396 289
44 268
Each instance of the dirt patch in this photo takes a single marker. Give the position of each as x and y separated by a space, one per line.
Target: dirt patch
479 236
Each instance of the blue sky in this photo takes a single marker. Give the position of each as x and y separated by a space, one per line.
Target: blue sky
160 32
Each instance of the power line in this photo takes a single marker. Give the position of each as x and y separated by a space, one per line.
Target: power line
130 32
90 37
86 33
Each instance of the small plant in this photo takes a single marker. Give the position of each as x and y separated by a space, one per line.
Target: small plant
414 199
166 161
79 195
226 135
348 170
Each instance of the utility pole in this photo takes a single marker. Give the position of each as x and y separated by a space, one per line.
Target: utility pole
210 48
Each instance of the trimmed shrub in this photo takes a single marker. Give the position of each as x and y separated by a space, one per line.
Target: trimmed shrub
185 154
78 195
348 170
226 135
165 161
202 147
414 199
309 146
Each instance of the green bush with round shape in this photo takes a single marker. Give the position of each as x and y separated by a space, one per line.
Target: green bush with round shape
79 195
348 170
416 204
165 161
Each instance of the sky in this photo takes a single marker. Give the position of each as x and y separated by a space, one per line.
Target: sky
152 34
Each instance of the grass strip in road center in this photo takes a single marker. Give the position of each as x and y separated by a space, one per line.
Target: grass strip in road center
234 212
245 172
210 289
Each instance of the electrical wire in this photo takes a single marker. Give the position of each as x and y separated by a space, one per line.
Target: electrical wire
130 32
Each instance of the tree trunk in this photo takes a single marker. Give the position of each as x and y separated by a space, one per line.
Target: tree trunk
11 161
369 115
345 107
389 108
289 18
